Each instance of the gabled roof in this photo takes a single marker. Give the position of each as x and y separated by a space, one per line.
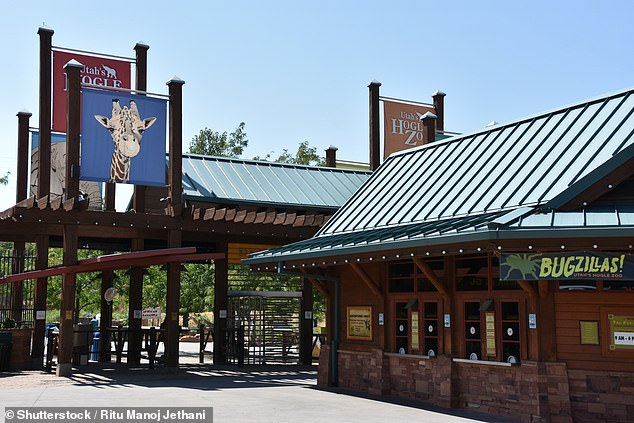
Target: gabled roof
236 181
498 174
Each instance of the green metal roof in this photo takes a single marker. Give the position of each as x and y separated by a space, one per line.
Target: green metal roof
237 181
498 175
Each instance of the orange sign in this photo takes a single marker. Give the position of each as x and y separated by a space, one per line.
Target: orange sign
403 127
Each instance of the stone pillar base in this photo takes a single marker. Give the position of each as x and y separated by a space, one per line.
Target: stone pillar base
63 369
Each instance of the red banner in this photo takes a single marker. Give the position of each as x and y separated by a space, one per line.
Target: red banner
111 73
403 127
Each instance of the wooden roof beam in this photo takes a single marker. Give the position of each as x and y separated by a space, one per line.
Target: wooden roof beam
431 275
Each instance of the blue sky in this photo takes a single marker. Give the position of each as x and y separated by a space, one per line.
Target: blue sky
298 71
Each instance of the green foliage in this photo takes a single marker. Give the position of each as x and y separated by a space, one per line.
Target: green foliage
213 143
305 155
5 179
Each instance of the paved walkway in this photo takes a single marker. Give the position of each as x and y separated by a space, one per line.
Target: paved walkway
259 394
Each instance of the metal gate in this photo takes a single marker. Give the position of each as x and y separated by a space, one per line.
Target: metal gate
17 299
263 327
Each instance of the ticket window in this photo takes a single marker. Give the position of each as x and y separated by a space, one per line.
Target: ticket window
472 330
430 328
510 331
401 329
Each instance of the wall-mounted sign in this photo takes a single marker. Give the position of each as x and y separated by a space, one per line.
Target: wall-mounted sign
108 72
563 266
447 320
589 332
152 313
123 138
414 332
489 321
403 127
236 252
621 332
360 323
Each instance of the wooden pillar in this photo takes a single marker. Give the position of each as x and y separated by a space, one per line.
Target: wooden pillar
175 145
451 335
135 307
331 156
546 321
375 126
174 240
106 317
73 128
67 305
17 288
138 200
44 147
306 324
221 303
439 107
39 325
22 177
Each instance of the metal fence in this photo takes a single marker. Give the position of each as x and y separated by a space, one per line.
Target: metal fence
17 299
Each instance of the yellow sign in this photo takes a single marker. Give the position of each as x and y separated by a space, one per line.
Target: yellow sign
414 330
360 323
589 333
238 252
621 332
489 319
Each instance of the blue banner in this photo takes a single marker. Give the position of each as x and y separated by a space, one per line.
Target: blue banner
123 138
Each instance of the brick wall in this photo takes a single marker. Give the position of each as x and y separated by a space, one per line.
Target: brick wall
421 379
363 371
21 349
601 396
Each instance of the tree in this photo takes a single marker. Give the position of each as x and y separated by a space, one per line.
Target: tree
213 143
305 155
4 179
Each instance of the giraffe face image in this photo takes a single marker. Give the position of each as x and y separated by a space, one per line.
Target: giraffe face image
126 128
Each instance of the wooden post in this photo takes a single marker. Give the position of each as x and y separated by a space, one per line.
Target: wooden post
138 200
439 107
306 325
67 305
174 240
375 126
546 325
44 147
176 145
451 335
39 325
331 156
135 306
106 317
221 286
73 128
22 177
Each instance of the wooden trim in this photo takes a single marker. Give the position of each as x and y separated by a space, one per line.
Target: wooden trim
374 287
429 274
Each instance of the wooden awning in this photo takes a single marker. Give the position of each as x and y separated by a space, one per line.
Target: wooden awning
119 261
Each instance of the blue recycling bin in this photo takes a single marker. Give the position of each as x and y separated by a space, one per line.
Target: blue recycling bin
94 349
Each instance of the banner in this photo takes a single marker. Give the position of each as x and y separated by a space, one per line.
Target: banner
567 266
123 138
58 171
403 127
111 73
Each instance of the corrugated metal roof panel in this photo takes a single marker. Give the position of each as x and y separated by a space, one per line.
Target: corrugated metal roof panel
221 179
524 163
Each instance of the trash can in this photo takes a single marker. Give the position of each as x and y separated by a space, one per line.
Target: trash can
6 342
94 349
81 344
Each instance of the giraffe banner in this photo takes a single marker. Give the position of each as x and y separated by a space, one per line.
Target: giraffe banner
106 72
123 138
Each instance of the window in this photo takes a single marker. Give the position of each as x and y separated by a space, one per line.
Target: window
430 327
472 273
407 277
402 326
510 332
473 349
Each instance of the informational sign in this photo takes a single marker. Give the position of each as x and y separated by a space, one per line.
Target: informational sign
447 320
151 313
589 332
403 125
360 323
58 171
489 321
123 138
237 252
532 321
621 332
414 337
564 266
105 72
